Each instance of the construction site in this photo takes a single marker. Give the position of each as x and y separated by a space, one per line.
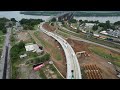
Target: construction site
93 65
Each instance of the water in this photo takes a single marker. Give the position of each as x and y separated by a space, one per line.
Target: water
18 16
101 19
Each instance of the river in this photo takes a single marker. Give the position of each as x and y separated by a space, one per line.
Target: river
18 16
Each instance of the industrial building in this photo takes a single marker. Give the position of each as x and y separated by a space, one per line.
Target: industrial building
33 48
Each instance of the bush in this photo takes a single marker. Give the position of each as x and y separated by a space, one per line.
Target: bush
16 50
73 21
28 24
44 58
53 20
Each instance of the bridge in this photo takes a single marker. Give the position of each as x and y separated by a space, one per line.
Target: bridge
65 16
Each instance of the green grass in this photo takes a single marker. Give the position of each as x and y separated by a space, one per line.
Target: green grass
62 34
0 52
36 27
42 74
14 70
32 54
2 38
117 63
51 67
12 38
114 58
41 40
1 33
46 44
55 71
103 54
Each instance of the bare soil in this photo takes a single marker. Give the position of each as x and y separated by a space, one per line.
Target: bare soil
23 36
108 70
60 64
49 27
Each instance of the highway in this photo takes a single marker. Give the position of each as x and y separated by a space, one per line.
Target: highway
73 68
4 64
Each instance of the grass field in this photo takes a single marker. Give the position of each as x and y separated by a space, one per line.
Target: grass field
1 33
62 34
35 27
2 38
113 57
43 72
48 45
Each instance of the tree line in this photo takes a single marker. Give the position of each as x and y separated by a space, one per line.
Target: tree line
28 24
2 24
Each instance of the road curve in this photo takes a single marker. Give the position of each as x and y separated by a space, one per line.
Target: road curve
71 59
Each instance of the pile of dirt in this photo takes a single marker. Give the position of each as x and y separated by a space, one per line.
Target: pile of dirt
49 27
108 70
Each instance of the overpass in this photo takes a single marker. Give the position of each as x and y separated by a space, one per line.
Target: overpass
73 68
63 16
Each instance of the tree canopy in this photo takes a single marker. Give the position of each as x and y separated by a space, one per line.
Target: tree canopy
16 51
73 21
53 20
28 24
95 27
2 24
13 19
117 23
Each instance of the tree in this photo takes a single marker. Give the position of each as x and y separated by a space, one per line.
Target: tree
53 20
73 21
95 27
52 24
77 31
86 21
13 19
62 22
4 30
21 44
108 24
16 51
117 23
28 24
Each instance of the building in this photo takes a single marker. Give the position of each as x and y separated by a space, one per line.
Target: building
33 48
23 56
114 33
96 35
104 32
90 25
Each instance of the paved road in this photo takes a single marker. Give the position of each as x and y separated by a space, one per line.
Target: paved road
72 62
4 63
80 39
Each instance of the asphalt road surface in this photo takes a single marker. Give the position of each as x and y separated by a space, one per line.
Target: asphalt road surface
73 68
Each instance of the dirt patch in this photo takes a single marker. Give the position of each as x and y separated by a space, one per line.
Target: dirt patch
49 27
60 64
26 72
108 70
23 36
